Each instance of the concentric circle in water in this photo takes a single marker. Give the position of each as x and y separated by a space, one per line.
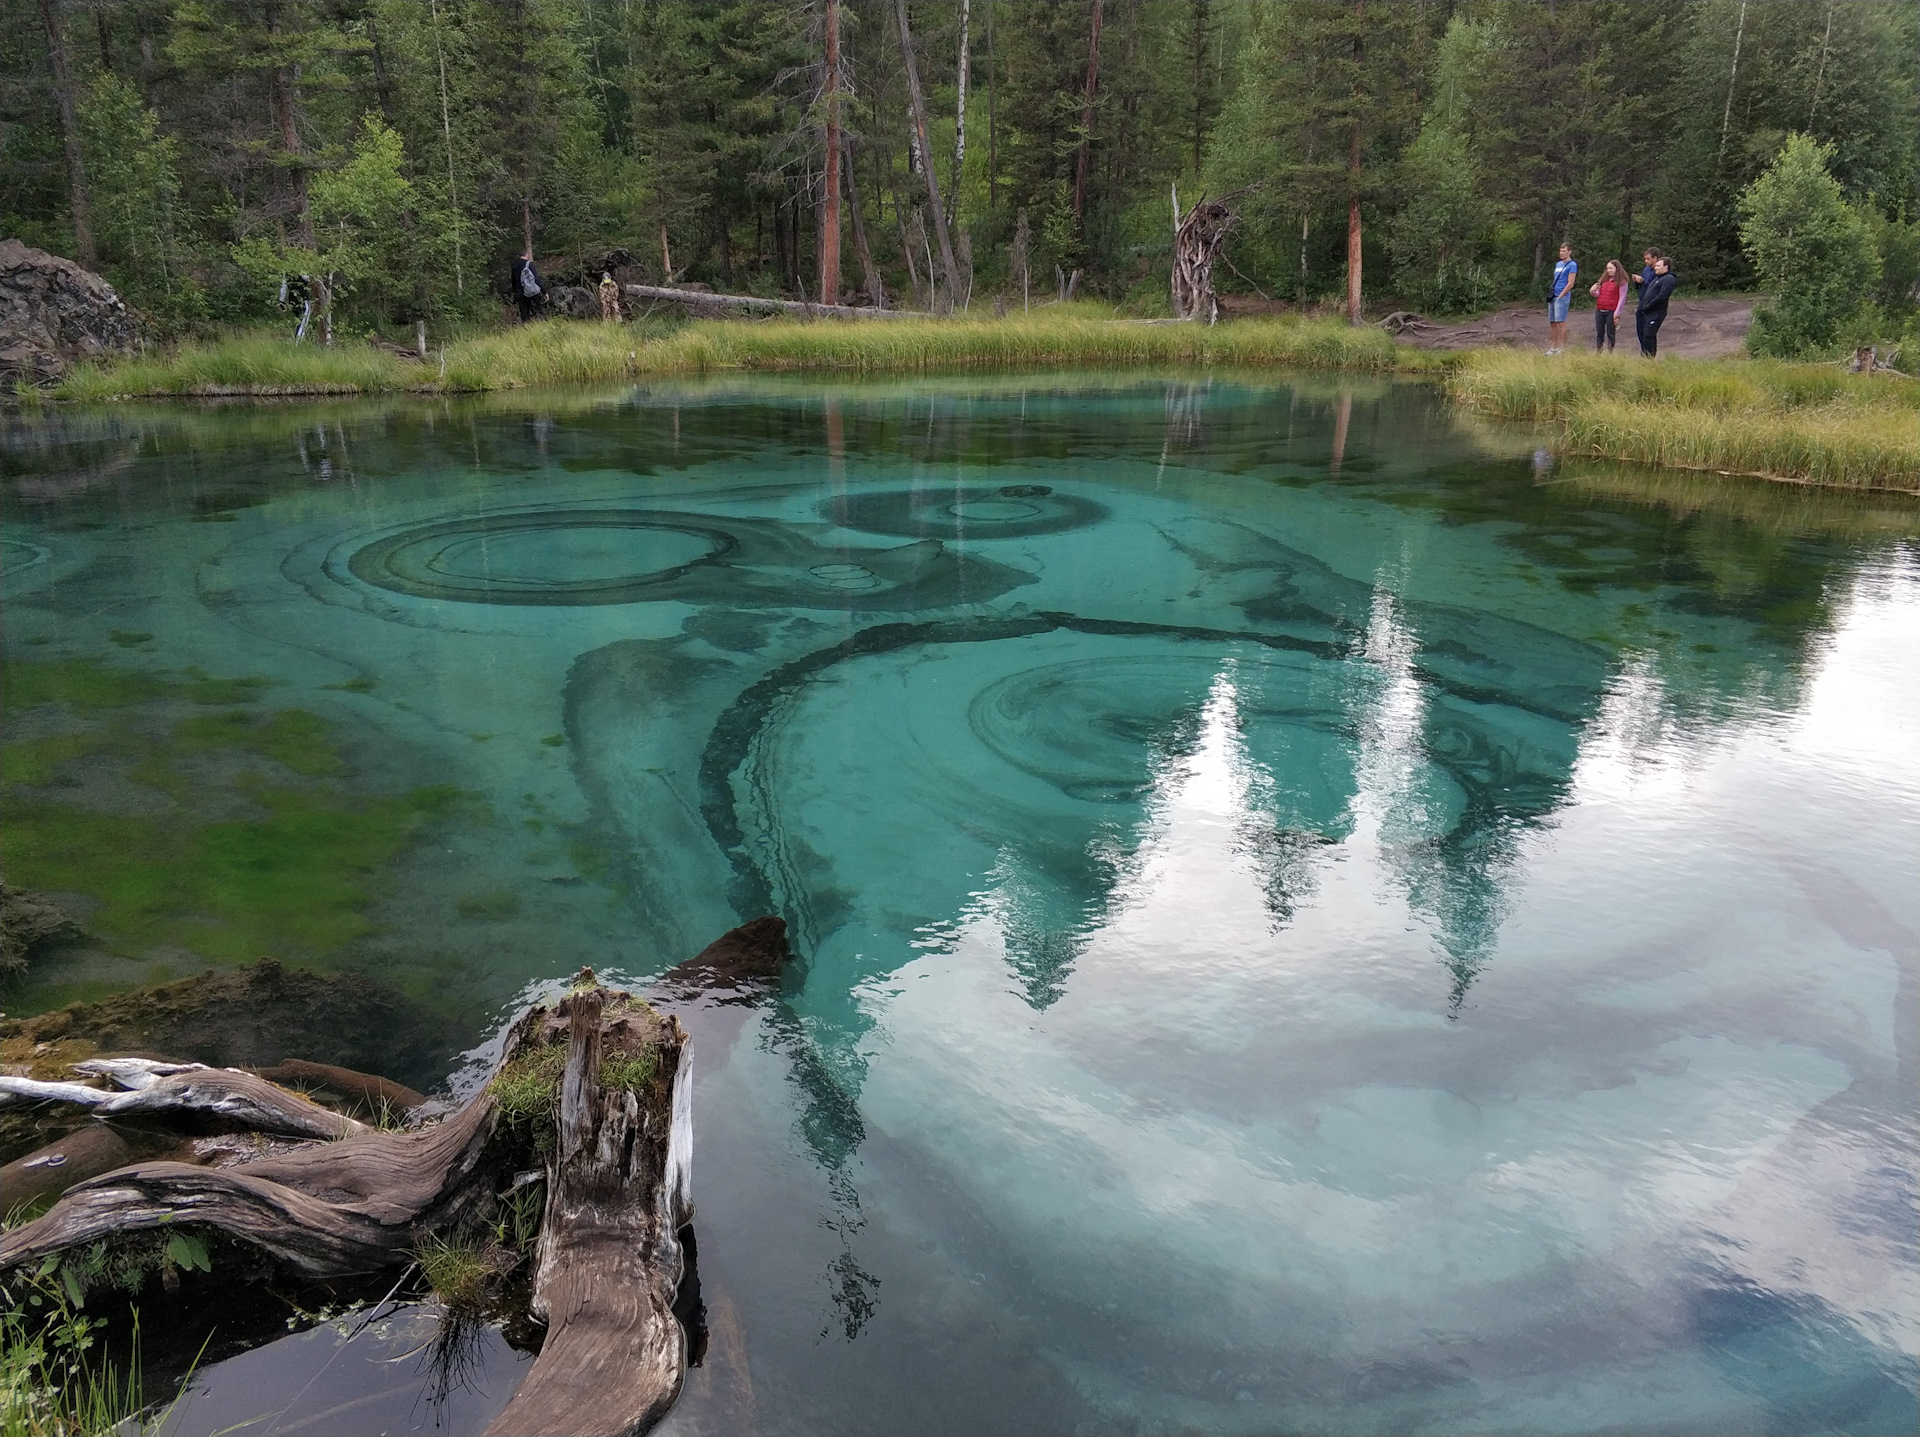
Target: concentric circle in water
1010 511
556 557
16 555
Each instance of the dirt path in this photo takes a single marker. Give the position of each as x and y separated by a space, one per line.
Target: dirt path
1695 329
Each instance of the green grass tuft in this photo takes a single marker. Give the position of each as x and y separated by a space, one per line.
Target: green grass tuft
263 362
1806 422
458 1272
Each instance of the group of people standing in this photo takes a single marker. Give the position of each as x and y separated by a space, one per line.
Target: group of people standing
1656 281
529 291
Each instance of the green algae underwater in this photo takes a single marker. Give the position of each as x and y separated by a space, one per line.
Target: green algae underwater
257 846
1311 914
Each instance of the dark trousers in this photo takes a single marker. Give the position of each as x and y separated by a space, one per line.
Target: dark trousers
526 306
1604 328
1649 325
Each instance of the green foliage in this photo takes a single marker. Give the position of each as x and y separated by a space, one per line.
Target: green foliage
1897 242
1811 248
134 172
1437 237
363 217
53 1380
635 1073
407 145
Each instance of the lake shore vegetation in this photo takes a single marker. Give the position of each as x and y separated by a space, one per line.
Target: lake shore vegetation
1810 423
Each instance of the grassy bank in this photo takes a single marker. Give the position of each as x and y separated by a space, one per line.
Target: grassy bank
1805 423
562 352
1812 423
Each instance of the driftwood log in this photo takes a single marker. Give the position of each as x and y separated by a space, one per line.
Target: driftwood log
354 1200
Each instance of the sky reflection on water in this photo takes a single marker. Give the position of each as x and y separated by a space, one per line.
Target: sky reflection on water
1409 944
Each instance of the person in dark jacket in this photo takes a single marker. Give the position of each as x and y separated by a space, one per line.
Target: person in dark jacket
1643 279
1654 295
526 285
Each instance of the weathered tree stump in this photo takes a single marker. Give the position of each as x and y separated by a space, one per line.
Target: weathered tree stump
609 1131
1197 238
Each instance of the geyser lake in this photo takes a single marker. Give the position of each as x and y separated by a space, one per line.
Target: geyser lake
1310 917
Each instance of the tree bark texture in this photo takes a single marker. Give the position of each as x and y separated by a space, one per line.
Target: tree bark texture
869 272
919 107
959 115
1354 316
1196 244
1083 159
830 190
77 198
610 1258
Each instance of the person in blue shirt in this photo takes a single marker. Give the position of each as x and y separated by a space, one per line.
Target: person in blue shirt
1559 299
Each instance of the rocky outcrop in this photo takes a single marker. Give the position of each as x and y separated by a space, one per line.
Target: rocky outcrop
53 312
28 923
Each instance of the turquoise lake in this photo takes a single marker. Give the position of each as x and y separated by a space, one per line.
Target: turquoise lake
1310 915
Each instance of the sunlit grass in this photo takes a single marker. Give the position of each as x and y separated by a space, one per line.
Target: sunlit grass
562 352
559 353
259 363
1808 422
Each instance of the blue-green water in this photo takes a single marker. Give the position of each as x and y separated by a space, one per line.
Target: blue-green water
1311 918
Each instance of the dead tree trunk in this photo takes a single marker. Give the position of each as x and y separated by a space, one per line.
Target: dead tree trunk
919 105
869 272
69 136
1083 158
700 300
959 116
617 1181
610 1258
1196 244
830 189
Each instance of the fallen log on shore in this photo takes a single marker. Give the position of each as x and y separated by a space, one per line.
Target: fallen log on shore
701 299
592 1098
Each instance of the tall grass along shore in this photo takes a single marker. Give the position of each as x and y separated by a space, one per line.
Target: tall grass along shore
563 352
1810 423
1800 422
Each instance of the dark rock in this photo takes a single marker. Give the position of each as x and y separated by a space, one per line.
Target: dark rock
53 312
573 301
28 923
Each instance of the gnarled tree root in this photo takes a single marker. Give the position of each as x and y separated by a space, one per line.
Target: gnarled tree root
609 1254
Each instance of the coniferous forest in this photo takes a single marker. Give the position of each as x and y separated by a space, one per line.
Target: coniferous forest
195 151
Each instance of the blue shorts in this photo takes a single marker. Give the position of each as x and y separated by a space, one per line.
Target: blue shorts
1557 308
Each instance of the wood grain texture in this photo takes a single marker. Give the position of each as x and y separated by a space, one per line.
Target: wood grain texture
610 1257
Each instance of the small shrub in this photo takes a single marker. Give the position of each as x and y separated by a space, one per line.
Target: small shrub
1812 249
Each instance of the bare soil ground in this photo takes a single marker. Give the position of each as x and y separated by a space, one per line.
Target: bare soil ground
1695 328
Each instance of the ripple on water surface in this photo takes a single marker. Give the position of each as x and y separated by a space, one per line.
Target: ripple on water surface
1302 925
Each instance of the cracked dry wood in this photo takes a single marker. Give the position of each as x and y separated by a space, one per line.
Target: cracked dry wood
618 1189
610 1257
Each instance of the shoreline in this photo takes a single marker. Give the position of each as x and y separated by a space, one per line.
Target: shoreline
1808 424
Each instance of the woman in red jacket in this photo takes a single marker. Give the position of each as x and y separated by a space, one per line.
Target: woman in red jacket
1609 301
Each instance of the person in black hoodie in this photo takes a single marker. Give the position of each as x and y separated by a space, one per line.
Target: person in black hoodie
1654 295
526 285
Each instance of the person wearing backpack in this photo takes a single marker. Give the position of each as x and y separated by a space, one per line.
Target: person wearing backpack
526 285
